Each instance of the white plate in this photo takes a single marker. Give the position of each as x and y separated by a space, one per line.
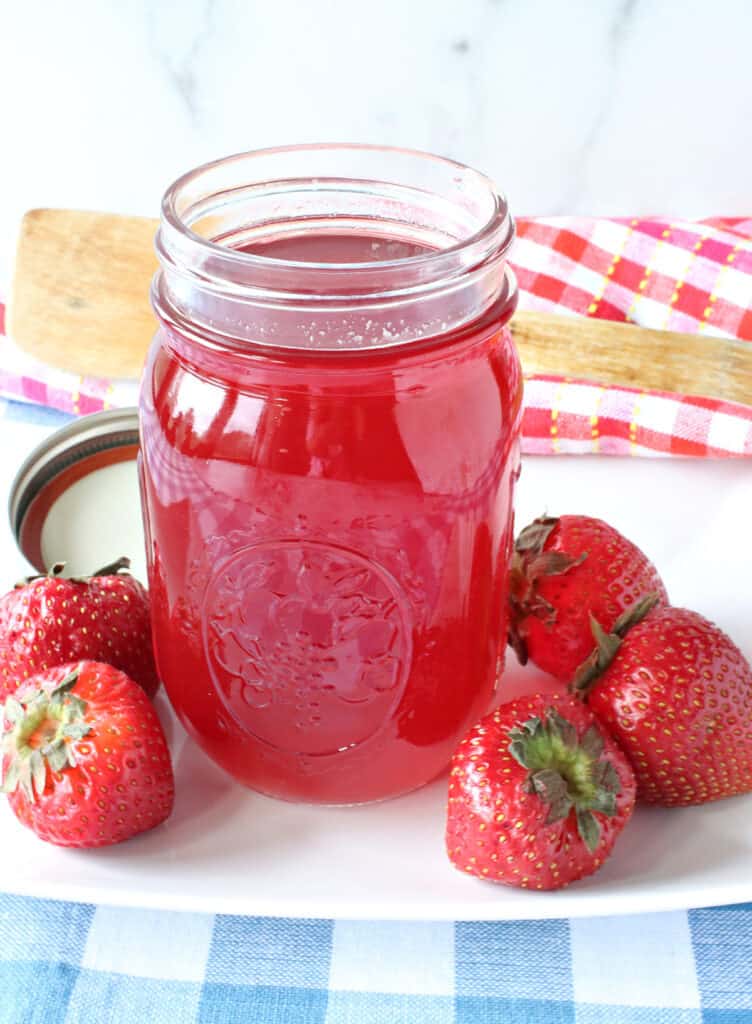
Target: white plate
228 850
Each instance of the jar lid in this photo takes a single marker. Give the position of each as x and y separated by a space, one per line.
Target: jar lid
76 499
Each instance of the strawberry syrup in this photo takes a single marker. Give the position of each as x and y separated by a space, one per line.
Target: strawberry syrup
328 535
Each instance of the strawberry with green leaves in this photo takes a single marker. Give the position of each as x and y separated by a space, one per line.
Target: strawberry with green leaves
49 620
538 794
85 760
676 693
563 571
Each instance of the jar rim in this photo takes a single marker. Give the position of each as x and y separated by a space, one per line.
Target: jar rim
498 226
453 216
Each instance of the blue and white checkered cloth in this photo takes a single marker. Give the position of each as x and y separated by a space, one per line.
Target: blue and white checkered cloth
79 964
65 963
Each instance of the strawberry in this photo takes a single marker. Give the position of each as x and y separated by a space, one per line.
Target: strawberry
85 759
563 570
676 694
49 620
538 793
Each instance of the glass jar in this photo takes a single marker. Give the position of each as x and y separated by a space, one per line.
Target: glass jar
329 423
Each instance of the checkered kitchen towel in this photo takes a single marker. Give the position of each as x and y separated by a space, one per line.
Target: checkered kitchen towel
81 964
686 276
675 275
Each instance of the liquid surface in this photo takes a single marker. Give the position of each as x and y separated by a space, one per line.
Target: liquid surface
328 540
335 247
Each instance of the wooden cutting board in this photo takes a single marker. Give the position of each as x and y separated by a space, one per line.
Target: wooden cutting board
80 301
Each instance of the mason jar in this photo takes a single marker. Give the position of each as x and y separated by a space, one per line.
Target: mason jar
329 424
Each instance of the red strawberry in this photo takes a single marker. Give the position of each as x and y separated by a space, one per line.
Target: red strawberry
49 621
85 759
538 793
564 570
676 694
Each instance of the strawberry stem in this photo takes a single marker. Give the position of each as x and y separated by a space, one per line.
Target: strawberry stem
121 564
635 614
567 772
42 727
535 534
113 568
607 644
530 564
52 573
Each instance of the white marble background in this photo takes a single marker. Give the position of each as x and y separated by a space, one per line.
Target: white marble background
592 106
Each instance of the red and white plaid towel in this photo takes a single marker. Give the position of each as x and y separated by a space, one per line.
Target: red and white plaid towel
693 276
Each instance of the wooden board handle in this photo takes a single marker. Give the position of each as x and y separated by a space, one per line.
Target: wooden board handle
632 356
80 301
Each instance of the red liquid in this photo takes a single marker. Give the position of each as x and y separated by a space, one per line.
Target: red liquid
328 537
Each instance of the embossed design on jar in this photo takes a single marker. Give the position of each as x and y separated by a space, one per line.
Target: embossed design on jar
308 644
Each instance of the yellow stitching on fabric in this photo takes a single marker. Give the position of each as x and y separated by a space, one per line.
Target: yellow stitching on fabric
615 260
649 270
595 433
558 395
633 423
708 311
679 283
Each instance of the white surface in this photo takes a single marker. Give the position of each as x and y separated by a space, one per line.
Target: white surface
96 520
599 107
227 849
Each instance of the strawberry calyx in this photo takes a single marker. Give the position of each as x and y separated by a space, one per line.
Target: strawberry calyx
567 772
52 573
120 565
607 644
531 563
42 727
